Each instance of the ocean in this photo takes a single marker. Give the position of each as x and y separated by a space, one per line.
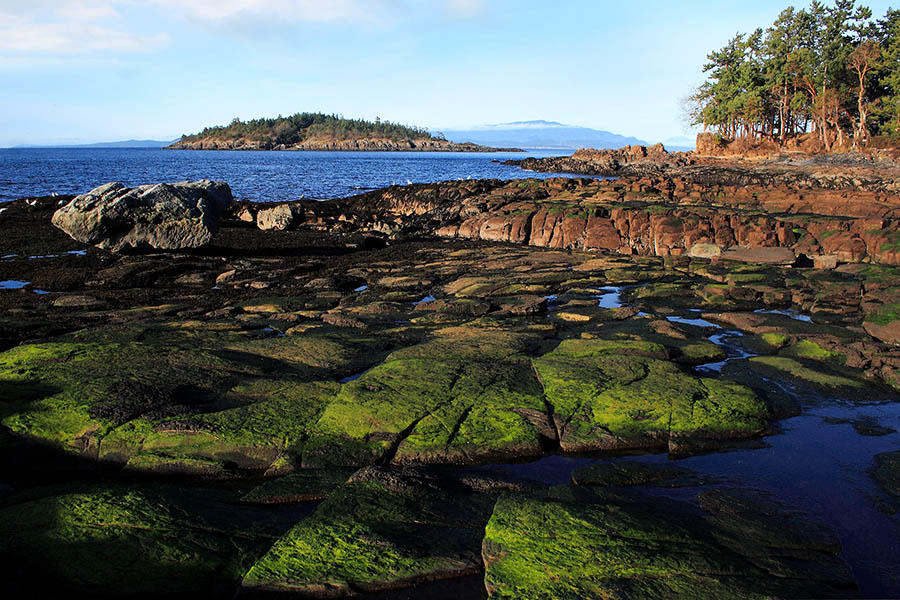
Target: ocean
255 176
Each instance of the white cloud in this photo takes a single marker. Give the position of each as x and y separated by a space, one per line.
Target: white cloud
465 8
78 28
67 28
321 11
71 38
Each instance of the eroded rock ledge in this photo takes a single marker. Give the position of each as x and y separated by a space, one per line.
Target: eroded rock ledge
647 216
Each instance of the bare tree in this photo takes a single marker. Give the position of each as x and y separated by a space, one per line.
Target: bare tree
862 60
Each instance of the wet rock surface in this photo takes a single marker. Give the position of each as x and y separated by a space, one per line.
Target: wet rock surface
329 405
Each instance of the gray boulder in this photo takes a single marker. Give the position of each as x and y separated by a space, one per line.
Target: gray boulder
164 216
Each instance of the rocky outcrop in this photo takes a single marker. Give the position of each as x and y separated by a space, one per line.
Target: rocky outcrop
643 216
162 216
609 162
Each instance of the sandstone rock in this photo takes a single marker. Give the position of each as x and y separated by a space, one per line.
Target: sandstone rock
769 256
162 216
245 215
705 250
824 261
226 277
279 218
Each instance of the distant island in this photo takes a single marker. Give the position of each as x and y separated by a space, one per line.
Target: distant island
317 131
542 134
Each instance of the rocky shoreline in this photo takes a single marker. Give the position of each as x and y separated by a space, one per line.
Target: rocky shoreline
335 398
325 144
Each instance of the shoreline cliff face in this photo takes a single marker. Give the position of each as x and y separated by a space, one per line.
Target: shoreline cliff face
332 144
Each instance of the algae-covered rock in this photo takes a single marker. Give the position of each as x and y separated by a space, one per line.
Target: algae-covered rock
887 471
574 546
133 540
383 529
626 473
204 398
465 396
303 486
623 394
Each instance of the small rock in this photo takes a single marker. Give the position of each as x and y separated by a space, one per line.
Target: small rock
705 250
245 215
825 261
278 219
226 277
342 320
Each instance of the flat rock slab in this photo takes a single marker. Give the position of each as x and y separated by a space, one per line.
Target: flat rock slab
768 256
162 216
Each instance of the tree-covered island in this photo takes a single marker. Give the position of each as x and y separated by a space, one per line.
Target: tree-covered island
318 131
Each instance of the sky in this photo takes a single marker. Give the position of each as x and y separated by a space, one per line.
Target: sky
75 71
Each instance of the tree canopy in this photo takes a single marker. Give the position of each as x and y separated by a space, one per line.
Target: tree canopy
829 69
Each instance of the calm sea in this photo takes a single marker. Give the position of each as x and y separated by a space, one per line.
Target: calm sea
257 176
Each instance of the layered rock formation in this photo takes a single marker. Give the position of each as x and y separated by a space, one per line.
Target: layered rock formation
656 216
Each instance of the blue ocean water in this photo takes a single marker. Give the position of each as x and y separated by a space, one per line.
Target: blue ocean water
256 176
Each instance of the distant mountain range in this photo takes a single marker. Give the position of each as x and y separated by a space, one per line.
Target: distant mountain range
121 144
541 134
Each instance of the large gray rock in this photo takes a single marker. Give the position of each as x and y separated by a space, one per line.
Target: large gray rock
164 216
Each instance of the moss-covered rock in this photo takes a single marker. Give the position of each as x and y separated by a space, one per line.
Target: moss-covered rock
887 472
465 396
87 541
383 529
618 395
174 393
303 486
576 546
621 473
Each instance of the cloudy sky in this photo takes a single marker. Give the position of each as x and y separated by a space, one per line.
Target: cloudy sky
100 70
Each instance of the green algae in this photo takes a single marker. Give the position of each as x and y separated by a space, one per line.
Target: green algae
88 539
604 397
809 349
450 399
817 377
183 392
570 543
367 536
538 549
303 486
885 315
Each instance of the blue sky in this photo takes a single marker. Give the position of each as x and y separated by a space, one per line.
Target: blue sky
99 70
